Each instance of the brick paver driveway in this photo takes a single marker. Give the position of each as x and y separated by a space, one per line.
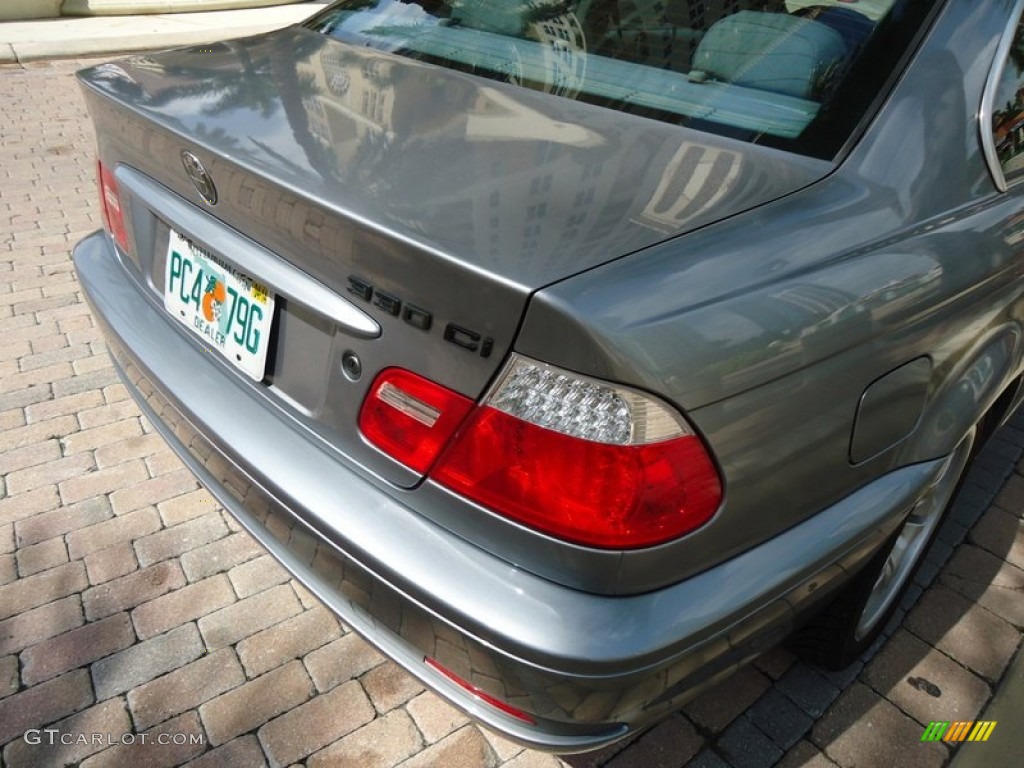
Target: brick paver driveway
131 604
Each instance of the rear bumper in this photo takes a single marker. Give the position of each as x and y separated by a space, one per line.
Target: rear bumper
589 668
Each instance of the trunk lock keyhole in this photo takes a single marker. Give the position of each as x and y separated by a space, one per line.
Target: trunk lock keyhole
351 366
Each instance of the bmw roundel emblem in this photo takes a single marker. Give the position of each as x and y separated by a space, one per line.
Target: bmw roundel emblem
201 180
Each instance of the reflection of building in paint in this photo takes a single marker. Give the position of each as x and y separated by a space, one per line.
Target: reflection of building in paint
350 102
694 180
538 195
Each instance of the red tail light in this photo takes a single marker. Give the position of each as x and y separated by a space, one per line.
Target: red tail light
110 202
580 459
411 418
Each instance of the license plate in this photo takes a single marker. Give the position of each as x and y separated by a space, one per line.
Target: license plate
230 311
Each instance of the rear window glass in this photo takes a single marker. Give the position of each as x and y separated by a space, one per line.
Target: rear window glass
798 74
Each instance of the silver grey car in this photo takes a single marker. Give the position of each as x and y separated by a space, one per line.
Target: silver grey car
575 352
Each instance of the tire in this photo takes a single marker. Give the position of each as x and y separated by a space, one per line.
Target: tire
844 629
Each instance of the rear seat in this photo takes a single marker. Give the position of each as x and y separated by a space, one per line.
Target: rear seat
658 33
774 52
805 47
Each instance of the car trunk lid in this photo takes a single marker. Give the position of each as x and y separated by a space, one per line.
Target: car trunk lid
433 201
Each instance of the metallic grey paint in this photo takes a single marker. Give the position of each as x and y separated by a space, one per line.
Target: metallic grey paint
769 308
374 559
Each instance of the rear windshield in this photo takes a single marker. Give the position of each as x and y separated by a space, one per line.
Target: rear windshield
797 74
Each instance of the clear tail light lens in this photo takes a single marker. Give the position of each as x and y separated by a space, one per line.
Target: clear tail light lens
110 202
582 460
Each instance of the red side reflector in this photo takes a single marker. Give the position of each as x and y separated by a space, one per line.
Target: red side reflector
411 418
110 201
508 709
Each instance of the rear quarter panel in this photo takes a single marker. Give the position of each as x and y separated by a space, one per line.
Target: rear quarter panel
766 329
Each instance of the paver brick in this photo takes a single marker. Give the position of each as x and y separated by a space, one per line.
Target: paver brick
862 728
673 740
128 591
62 520
164 463
805 755
90 364
36 377
1011 495
382 743
389 686
97 437
152 491
17 508
922 681
535 760
719 706
980 566
343 659
779 719
7 538
25 397
28 593
434 717
185 688
171 542
808 689
187 506
10 419
146 660
109 719
166 745
746 746
307 598
220 555
61 354
62 406
249 706
38 624
182 605
315 724
465 748
103 413
243 752
257 575
102 481
9 678
32 434
8 569
15 350
115 393
87 382
109 563
51 473
1002 534
42 556
288 640
42 704
76 648
229 625
29 456
105 534
969 633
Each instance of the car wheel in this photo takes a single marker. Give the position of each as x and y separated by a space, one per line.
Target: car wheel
843 630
